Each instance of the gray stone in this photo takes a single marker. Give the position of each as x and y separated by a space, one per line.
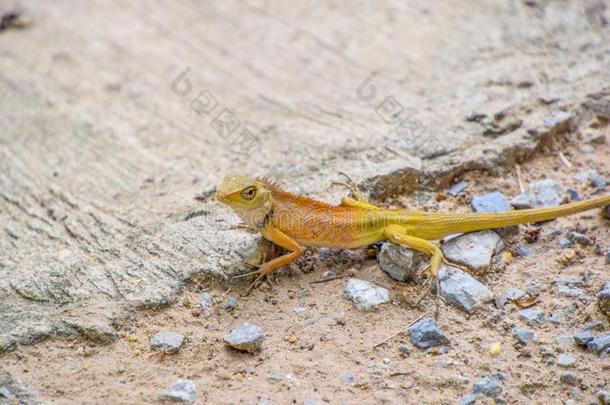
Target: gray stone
490 386
5 393
469 399
587 149
245 337
404 349
582 338
523 335
494 202
599 343
573 195
603 299
168 342
603 397
95 330
591 177
15 392
544 193
230 304
558 118
555 318
532 316
595 325
425 333
348 378
461 290
474 250
565 360
181 391
579 238
565 341
457 188
366 296
206 303
523 251
400 262
608 256
571 292
569 378
564 242
514 293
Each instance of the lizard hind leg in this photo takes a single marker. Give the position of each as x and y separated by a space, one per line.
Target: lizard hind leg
398 235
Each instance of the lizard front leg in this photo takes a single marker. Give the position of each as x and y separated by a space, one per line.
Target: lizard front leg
281 239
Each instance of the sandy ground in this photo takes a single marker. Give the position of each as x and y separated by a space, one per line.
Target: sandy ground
306 355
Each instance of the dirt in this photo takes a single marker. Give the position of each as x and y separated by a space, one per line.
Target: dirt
307 355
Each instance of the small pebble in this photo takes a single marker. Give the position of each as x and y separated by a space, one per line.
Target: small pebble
603 397
245 337
582 338
469 399
599 343
569 377
603 299
579 238
366 296
404 348
205 301
457 188
523 251
564 242
532 316
514 293
181 391
168 342
230 304
5 393
573 195
425 333
544 193
523 335
348 378
565 360
489 386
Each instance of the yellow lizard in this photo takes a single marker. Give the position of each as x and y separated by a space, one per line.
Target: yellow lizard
292 221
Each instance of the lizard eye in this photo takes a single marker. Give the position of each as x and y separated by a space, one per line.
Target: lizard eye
248 193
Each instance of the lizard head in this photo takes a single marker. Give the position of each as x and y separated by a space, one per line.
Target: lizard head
249 198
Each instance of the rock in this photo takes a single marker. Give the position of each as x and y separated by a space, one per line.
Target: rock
587 149
595 325
573 195
569 378
489 386
599 343
603 299
544 193
230 304
564 242
474 250
400 262
206 303
582 338
96 331
532 316
245 337
565 342
457 188
348 378
15 392
591 177
523 335
523 251
425 333
603 397
608 255
565 360
5 393
461 290
404 349
469 399
571 292
168 342
181 391
558 118
579 238
494 202
514 293
366 296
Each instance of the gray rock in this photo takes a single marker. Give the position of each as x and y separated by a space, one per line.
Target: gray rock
523 251
595 325
95 330
565 341
457 188
366 296
230 304
608 254
168 342
555 318
603 299
181 391
348 378
569 378
571 292
582 338
245 337
474 250
544 193
494 202
425 333
514 293
532 316
490 386
469 399
599 343
564 242
587 149
579 238
558 118
5 393
400 262
603 397
461 290
591 177
573 195
523 335
206 303
565 360
404 349
15 392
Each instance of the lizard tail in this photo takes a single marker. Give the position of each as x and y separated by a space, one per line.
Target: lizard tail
439 225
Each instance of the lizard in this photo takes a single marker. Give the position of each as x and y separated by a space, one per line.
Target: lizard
294 222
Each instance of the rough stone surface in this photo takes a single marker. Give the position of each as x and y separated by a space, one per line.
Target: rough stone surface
584 337
579 238
490 386
514 293
565 360
523 335
181 391
474 250
544 193
206 303
532 316
591 177
168 342
603 299
599 343
14 392
400 262
462 290
366 296
569 378
425 333
246 337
